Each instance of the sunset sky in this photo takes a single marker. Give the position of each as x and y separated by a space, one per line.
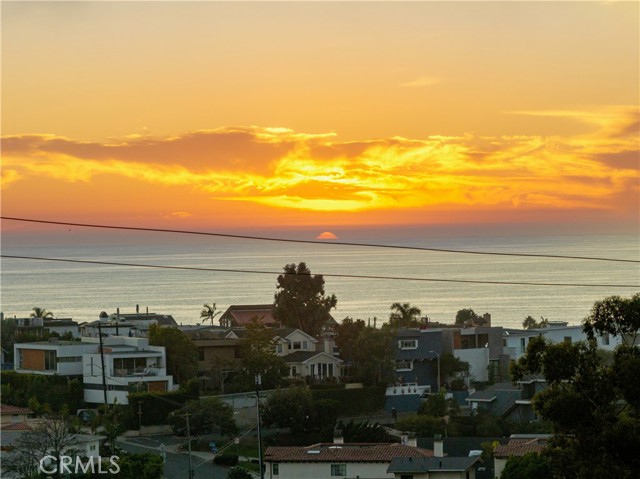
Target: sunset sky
243 114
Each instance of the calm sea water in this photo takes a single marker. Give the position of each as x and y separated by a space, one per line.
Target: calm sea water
83 291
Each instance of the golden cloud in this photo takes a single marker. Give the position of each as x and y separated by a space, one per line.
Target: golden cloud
281 168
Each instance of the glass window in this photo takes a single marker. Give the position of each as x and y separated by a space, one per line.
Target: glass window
338 469
408 344
50 360
275 469
404 366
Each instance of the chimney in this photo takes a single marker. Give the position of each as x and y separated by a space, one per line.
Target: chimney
412 440
438 446
487 319
338 438
137 309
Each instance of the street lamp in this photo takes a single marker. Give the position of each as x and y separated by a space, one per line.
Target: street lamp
438 356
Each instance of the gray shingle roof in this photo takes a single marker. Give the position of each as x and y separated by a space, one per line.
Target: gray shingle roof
430 464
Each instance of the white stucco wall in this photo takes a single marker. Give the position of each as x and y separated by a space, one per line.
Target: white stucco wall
478 360
293 470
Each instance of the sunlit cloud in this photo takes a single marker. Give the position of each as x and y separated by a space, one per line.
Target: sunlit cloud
421 82
287 170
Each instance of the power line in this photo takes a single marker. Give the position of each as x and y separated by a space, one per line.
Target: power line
330 275
337 243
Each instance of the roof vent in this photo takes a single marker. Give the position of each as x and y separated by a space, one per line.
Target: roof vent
313 451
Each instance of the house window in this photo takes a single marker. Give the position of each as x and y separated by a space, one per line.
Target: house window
338 469
297 345
305 345
275 469
330 370
279 348
50 361
70 359
522 345
92 447
408 344
404 365
294 371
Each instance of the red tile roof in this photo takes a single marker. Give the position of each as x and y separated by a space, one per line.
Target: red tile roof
12 410
352 452
520 447
16 426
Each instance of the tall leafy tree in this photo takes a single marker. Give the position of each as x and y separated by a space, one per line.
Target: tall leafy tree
530 323
182 354
8 330
300 300
465 315
346 338
259 357
404 315
593 405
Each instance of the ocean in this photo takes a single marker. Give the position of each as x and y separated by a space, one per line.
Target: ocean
82 291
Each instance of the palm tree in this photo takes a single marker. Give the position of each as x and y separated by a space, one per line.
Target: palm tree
404 315
209 313
41 313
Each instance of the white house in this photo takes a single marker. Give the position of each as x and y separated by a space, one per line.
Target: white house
519 445
331 461
515 341
305 356
434 467
130 364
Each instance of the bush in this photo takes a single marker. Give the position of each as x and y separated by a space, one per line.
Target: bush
239 473
422 425
56 391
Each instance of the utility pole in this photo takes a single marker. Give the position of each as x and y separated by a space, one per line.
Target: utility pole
189 446
258 384
438 356
104 374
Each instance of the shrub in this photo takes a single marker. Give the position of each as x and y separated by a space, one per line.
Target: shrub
228 460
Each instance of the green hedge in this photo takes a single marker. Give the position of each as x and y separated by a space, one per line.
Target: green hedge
57 391
353 402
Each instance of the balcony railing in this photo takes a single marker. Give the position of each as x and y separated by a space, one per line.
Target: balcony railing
135 372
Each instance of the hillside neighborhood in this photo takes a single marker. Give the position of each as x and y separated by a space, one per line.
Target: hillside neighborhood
404 398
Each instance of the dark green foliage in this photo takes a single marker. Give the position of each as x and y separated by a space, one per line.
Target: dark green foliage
300 300
364 432
437 405
224 459
366 400
8 329
239 473
52 393
591 401
155 407
529 466
258 357
140 466
182 354
367 352
423 426
206 415
404 316
296 409
466 315
530 323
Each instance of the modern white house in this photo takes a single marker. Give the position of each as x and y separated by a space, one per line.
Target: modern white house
130 364
40 326
335 460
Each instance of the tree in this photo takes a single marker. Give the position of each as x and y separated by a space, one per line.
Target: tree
529 466
373 356
238 472
450 365
182 354
593 405
52 437
346 338
141 466
206 415
40 313
258 356
466 315
404 315
364 432
295 409
530 323
209 313
300 301
8 329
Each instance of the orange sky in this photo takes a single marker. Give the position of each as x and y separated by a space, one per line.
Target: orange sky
222 114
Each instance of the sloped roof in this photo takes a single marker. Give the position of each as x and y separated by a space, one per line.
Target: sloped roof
521 446
354 452
302 356
431 464
13 410
16 426
489 394
243 314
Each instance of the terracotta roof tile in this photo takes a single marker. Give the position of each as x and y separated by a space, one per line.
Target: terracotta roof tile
16 426
353 452
519 447
8 409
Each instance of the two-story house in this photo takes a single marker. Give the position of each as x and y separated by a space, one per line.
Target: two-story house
130 364
306 356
